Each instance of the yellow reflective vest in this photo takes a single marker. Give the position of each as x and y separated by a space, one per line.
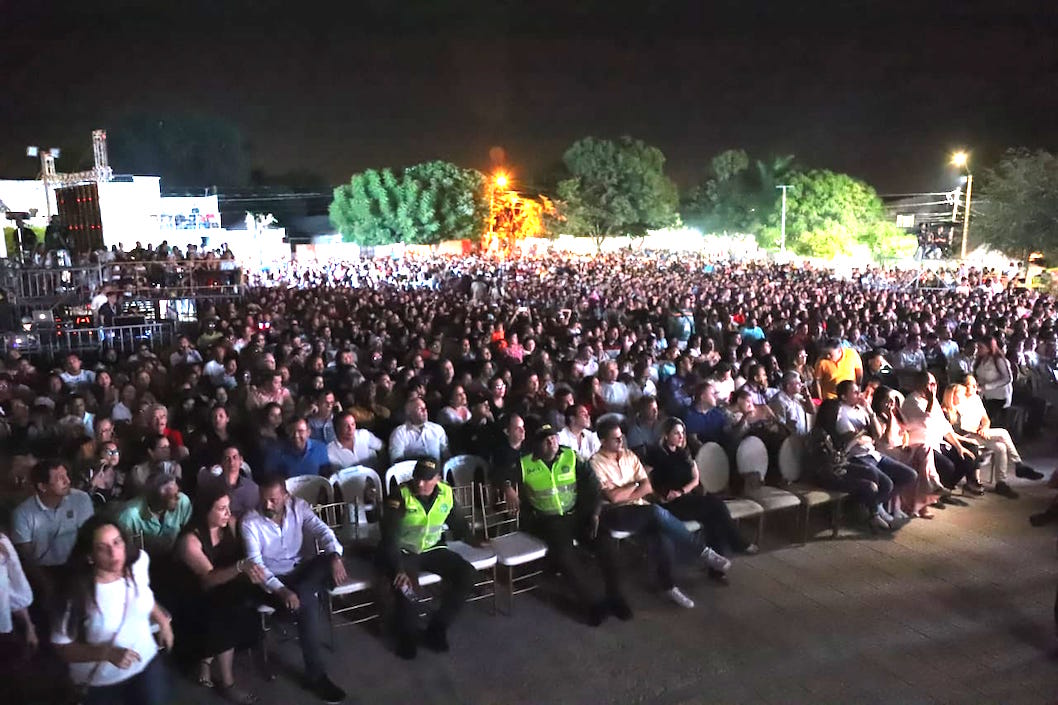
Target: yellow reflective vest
551 490
421 530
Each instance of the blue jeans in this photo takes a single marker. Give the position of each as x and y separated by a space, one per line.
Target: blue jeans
148 687
888 474
665 534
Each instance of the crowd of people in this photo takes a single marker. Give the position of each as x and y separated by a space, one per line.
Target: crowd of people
149 499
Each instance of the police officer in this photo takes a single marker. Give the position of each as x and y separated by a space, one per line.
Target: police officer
560 501
412 525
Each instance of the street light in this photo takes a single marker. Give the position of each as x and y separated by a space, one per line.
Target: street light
962 160
501 180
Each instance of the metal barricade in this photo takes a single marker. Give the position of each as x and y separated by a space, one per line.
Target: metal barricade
124 340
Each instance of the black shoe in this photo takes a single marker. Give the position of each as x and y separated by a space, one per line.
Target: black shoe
619 608
939 504
973 488
717 576
955 501
596 614
435 638
1005 490
327 691
1043 518
1027 471
407 649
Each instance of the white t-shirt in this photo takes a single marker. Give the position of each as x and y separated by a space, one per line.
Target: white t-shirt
103 620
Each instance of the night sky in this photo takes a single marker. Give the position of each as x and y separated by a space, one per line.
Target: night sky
882 90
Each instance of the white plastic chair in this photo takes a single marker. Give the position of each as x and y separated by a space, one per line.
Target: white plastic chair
461 470
791 455
310 488
752 459
514 548
352 482
399 473
713 470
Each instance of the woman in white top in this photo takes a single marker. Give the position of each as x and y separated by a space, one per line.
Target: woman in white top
15 598
103 626
972 418
994 376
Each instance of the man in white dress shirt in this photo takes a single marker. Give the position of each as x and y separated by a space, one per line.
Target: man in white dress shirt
282 536
577 433
417 437
354 446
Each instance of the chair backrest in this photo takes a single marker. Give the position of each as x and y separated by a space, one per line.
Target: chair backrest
352 481
466 497
751 458
713 468
311 488
790 458
461 470
495 519
399 473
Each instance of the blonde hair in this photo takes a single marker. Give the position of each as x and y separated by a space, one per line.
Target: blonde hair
948 401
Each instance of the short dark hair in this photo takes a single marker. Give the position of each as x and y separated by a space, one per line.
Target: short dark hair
608 426
41 472
844 386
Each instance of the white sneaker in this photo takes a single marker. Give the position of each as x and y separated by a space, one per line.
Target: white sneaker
885 515
715 561
679 598
900 517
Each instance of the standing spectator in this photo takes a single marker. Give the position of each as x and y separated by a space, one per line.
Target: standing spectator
836 365
993 373
103 627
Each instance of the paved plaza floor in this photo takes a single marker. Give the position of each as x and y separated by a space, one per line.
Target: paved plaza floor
954 610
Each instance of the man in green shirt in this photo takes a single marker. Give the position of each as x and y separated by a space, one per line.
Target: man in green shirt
158 515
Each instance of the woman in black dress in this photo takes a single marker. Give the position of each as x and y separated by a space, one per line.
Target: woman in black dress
217 613
674 476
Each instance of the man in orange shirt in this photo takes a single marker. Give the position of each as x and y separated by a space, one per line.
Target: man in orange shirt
836 365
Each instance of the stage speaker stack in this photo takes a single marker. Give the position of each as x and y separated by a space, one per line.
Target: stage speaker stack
79 211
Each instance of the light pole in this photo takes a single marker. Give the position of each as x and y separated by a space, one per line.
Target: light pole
499 181
782 240
962 160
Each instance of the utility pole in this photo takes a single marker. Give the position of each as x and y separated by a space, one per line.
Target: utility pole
782 241
966 213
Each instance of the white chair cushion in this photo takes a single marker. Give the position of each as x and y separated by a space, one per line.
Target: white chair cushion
361 577
427 578
773 499
815 496
618 535
481 558
518 548
692 526
742 508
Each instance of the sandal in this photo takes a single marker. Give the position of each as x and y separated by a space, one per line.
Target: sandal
236 695
925 514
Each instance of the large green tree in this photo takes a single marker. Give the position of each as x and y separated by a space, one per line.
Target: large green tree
738 195
616 188
184 149
830 214
1016 211
423 205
